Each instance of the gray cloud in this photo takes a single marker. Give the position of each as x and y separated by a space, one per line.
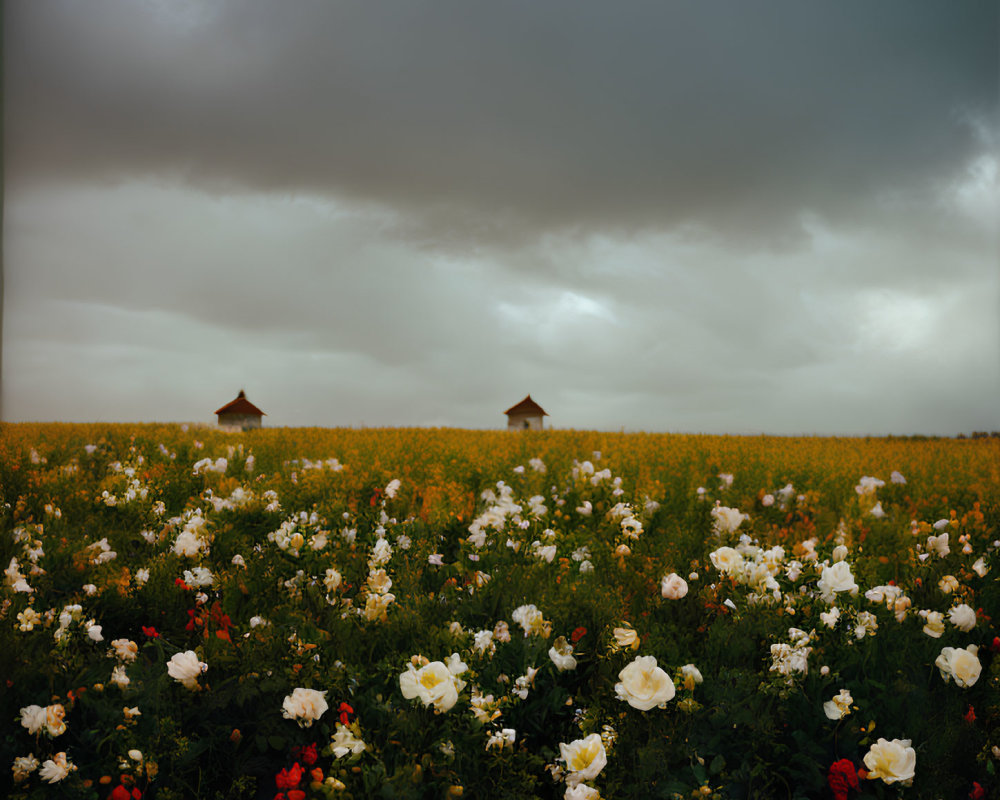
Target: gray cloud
689 216
505 118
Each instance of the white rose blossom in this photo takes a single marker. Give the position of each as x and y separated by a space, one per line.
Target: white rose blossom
893 762
305 706
585 758
185 669
961 664
643 685
673 586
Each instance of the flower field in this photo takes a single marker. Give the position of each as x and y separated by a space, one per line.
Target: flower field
399 613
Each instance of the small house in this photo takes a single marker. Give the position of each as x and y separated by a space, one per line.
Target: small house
240 414
525 416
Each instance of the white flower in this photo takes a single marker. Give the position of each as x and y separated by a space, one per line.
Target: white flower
305 706
839 553
119 677
344 742
837 578
94 631
939 544
24 766
502 739
185 668
897 477
727 560
962 665
980 567
934 623
580 791
876 510
893 762
673 586
434 685
561 654
141 576
188 544
56 768
691 676
868 485
33 718
199 577
948 584
727 519
643 685
586 509
332 580
585 758
840 706
962 617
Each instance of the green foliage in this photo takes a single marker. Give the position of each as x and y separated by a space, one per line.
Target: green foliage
296 545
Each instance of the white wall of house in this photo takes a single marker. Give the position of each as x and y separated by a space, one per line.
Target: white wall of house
524 422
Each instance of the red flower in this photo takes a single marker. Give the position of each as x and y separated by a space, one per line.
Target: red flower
977 793
578 634
296 794
995 647
345 710
289 778
150 632
842 777
307 754
970 715
120 793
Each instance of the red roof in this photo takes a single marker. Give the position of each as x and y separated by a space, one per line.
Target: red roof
526 407
240 406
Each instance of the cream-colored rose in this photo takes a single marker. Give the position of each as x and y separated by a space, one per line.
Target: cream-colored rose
690 676
962 665
332 580
840 706
561 654
33 718
433 684
643 685
56 768
125 649
305 706
581 791
948 584
933 624
727 520
893 762
626 637
727 560
830 617
344 742
962 617
673 586
185 668
585 758
837 578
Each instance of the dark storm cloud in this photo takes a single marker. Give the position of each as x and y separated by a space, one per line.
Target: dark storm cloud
491 120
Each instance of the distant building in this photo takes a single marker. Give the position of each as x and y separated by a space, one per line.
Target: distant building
240 414
525 416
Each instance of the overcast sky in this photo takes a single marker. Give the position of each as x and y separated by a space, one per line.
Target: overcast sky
728 217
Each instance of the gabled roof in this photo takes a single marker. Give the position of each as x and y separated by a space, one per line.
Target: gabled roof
240 406
526 407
